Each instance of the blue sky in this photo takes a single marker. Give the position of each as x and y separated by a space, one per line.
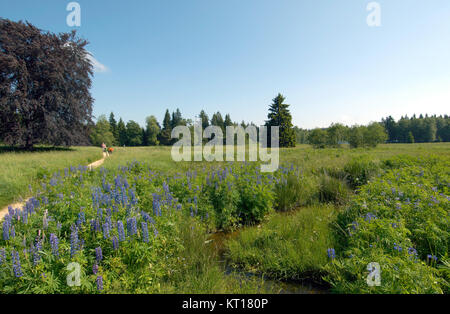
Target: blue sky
236 55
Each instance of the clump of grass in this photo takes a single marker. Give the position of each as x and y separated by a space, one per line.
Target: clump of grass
294 192
333 190
360 170
291 247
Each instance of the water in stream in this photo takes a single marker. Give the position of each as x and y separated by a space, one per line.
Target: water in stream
283 287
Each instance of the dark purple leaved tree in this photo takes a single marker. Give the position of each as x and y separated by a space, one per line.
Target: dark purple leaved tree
44 87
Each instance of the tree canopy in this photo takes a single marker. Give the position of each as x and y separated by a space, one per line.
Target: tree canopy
44 87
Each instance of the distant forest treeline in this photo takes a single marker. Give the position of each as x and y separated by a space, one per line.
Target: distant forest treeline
114 132
421 129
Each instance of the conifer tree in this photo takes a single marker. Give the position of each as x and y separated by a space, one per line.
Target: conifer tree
279 115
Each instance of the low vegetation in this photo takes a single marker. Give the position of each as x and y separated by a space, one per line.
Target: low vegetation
144 226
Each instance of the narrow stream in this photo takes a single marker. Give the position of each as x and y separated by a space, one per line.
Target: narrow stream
218 240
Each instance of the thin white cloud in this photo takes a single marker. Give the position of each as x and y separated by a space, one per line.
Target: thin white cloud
98 67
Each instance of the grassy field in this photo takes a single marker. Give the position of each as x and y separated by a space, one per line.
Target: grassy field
279 226
18 170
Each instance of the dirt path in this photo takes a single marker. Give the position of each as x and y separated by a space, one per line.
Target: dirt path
4 210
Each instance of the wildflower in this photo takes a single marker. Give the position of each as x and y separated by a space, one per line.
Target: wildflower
16 264
331 253
121 231
369 217
54 244
115 243
2 256
432 257
74 241
106 230
37 249
98 254
144 232
99 282
81 218
6 226
412 251
95 269
131 226
397 247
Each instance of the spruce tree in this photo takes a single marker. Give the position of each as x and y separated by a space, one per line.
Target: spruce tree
122 133
165 137
113 128
279 115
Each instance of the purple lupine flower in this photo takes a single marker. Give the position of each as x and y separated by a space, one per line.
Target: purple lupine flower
13 232
144 232
369 217
54 242
74 241
131 226
37 249
16 264
98 254
397 247
99 282
121 231
2 256
106 230
95 269
331 253
115 243
156 207
155 231
432 257
81 218
6 226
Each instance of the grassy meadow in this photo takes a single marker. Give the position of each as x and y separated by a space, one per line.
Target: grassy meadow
142 223
18 170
